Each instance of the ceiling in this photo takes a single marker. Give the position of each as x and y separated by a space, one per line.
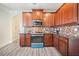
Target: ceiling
29 6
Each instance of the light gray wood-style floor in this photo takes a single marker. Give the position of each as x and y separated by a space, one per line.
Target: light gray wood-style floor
14 49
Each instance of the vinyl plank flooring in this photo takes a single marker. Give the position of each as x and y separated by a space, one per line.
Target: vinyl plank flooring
48 52
14 52
28 50
41 52
14 49
25 50
6 49
34 51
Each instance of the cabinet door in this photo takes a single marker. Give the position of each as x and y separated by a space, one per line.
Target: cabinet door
78 12
48 40
51 19
63 46
28 39
22 40
27 19
37 14
56 17
48 19
60 17
55 42
45 19
69 13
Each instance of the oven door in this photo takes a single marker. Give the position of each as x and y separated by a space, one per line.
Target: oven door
37 41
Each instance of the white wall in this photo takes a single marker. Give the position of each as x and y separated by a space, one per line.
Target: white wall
15 26
4 27
9 26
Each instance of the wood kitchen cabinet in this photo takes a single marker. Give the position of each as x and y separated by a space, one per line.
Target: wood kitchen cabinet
48 19
58 17
57 20
66 46
63 46
37 14
28 39
25 40
27 18
48 41
55 41
78 13
22 40
69 13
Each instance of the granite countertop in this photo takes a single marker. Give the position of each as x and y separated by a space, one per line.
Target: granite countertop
67 36
62 35
33 33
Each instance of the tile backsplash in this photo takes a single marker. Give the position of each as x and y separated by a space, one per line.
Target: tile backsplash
69 30
64 31
36 29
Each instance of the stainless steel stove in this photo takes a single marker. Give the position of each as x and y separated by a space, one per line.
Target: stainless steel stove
37 40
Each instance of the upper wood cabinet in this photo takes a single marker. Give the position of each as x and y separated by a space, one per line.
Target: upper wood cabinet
27 18
37 14
48 19
58 18
69 13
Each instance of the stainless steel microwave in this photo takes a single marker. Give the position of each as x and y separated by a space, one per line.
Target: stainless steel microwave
36 23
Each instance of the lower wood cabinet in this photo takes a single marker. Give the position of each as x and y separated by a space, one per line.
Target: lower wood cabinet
48 41
28 40
55 42
25 40
63 46
66 46
22 40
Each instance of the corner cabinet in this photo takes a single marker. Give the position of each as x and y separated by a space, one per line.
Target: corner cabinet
27 18
37 14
